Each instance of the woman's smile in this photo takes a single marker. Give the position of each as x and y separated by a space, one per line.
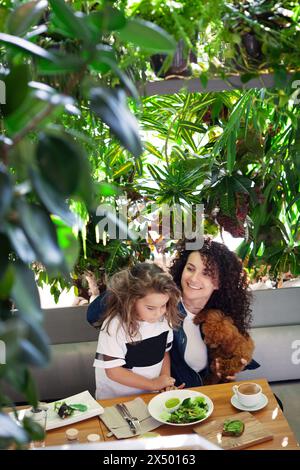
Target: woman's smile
197 284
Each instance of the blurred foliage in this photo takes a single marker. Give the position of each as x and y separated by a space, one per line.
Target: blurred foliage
70 142
56 62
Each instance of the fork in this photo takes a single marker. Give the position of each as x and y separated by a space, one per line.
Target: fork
124 415
135 421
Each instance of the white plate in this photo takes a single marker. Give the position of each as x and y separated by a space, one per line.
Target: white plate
156 405
54 421
262 403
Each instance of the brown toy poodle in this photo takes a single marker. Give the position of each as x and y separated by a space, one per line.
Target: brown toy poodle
225 343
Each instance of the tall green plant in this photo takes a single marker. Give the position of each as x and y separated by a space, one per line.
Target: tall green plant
238 153
54 61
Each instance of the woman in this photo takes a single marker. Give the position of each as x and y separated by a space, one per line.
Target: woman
209 278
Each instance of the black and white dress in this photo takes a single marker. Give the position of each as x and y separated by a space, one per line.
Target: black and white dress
142 355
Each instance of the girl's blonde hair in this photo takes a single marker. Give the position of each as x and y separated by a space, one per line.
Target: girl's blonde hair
130 285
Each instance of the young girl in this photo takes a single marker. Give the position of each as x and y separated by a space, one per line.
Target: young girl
136 334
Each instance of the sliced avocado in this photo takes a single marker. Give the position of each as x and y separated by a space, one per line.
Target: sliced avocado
233 428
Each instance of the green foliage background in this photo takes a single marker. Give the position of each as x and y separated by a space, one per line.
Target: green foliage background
75 134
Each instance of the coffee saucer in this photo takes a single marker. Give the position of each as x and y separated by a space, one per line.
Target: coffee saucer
262 403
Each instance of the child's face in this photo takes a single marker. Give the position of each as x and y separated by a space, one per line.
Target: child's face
151 307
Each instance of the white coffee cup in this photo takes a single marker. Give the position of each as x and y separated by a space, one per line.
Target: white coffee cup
248 394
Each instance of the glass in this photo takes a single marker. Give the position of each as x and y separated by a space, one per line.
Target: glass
39 416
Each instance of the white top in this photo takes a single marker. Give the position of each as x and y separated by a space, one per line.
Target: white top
143 355
195 354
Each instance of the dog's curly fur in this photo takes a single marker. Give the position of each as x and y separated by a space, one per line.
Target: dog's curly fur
225 343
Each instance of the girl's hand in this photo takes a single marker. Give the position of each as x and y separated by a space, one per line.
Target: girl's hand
163 381
230 378
173 387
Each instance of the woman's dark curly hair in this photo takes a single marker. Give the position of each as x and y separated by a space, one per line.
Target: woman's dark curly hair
233 296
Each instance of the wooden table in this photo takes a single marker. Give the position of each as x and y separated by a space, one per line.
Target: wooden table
271 415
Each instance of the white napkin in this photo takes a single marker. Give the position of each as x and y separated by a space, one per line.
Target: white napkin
118 425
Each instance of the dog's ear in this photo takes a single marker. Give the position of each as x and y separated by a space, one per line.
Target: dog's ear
200 317
214 316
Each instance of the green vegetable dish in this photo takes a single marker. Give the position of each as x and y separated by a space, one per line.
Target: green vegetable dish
190 410
64 411
233 428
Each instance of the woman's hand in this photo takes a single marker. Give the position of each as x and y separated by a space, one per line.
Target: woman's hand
230 378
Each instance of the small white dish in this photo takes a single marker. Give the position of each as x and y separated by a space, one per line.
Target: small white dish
262 403
172 408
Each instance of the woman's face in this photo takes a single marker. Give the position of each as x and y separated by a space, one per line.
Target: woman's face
195 282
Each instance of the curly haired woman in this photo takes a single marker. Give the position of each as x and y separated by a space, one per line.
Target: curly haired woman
210 279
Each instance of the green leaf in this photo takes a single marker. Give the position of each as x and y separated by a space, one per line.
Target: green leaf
123 170
204 79
128 84
107 19
24 46
4 253
106 189
73 24
191 126
153 150
15 95
25 292
52 199
98 62
25 113
111 107
33 428
139 166
293 201
187 137
4 12
68 243
155 175
25 16
280 77
20 243
147 36
216 108
63 63
42 100
6 191
231 151
78 407
59 160
40 232
6 283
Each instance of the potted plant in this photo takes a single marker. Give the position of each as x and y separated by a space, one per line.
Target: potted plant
182 20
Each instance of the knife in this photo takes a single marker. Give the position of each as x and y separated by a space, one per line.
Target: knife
129 421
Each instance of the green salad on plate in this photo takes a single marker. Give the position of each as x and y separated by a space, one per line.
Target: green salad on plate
190 410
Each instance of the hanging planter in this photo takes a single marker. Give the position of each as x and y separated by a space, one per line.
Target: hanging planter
179 66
